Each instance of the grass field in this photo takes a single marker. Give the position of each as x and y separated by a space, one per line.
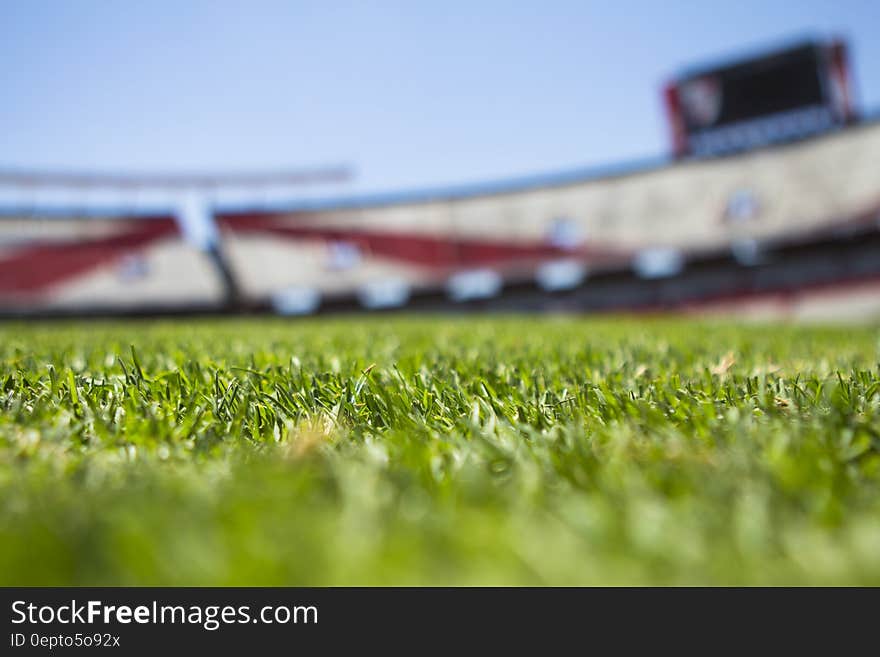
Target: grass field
438 451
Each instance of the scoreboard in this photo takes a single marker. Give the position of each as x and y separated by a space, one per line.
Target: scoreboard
772 98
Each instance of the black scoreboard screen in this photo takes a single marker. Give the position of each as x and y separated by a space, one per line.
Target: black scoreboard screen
775 84
777 97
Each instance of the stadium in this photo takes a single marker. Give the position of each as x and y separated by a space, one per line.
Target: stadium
772 210
660 372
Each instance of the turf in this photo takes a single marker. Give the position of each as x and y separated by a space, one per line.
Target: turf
441 451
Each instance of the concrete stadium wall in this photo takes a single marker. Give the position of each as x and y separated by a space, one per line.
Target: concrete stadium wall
785 193
805 191
50 263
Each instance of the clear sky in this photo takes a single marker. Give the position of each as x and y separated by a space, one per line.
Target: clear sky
408 93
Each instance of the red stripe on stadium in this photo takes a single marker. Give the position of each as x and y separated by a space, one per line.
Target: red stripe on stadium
34 267
414 248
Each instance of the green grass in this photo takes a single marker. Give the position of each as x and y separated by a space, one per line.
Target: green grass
438 451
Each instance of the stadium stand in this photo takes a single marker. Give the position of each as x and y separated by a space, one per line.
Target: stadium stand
734 206
101 264
783 210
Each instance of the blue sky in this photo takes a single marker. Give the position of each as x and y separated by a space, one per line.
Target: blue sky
408 93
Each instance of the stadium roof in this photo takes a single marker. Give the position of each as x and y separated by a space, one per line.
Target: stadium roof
67 179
